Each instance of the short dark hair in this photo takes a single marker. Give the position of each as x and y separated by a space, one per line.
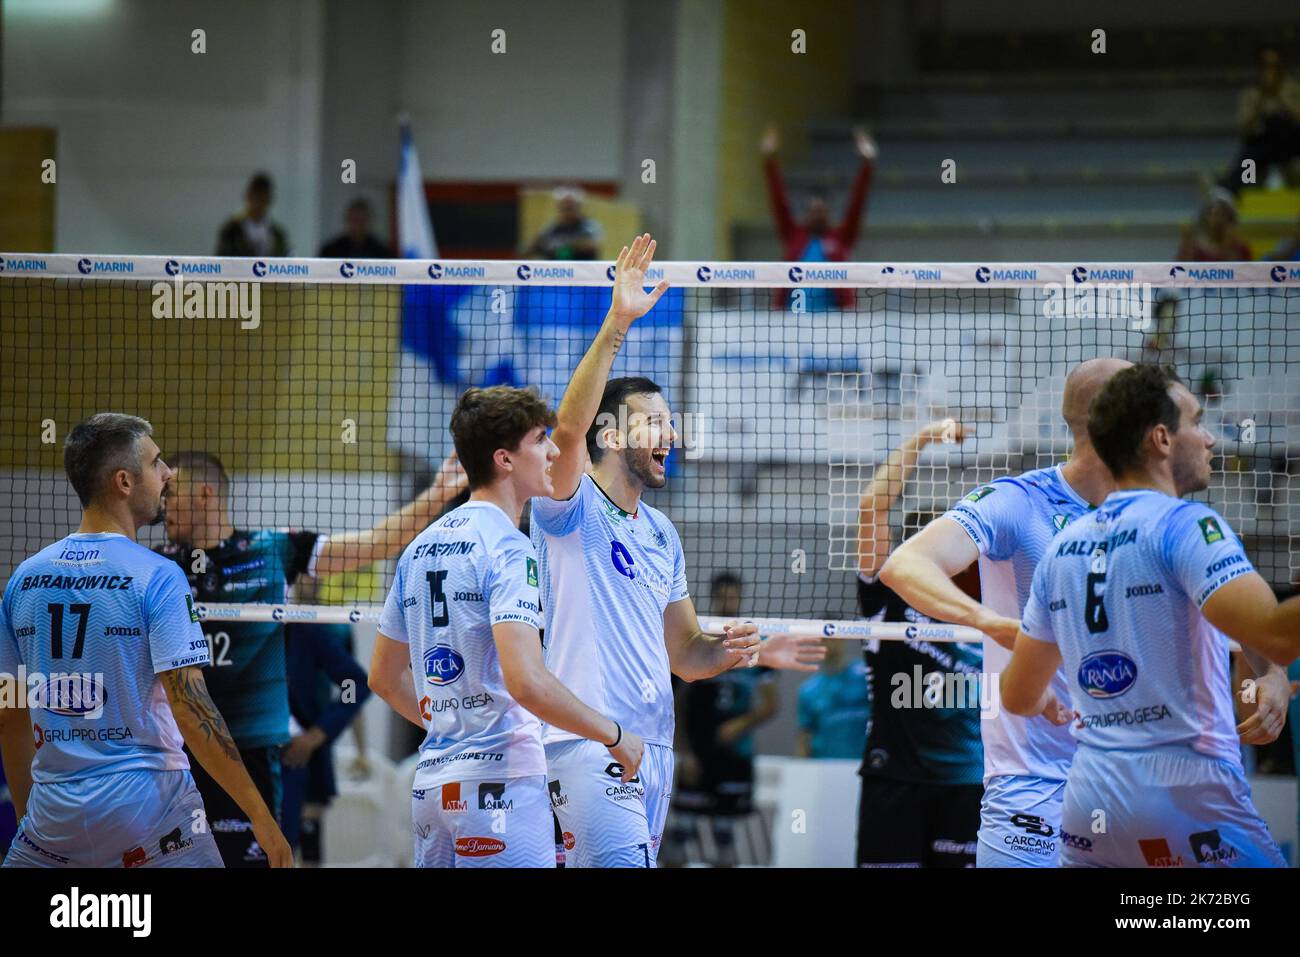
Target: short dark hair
494 418
723 580
99 446
206 467
260 183
615 395
1131 403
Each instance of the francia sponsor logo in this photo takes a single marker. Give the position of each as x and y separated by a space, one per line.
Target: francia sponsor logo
1107 674
443 665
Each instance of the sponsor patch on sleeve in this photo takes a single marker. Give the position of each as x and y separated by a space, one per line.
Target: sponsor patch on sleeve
979 493
1210 530
532 571
189 603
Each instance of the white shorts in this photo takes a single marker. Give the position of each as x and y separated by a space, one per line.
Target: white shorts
484 823
122 819
607 823
1020 822
1168 807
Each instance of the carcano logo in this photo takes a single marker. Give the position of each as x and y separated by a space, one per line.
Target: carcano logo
1107 674
615 770
347 270
704 274
72 695
259 269
1031 824
622 559
524 271
1079 273
982 274
435 270
442 665
796 274
479 846
83 266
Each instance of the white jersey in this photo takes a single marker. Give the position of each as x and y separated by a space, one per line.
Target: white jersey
1012 520
1120 594
607 577
466 572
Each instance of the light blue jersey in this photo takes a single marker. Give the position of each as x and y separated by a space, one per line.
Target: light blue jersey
607 577
466 572
97 617
1120 593
1012 520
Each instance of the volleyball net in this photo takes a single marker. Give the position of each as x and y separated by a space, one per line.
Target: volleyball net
326 387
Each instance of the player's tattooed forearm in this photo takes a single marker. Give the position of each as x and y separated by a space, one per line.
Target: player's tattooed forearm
189 691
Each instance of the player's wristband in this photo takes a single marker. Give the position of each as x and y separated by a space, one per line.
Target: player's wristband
618 739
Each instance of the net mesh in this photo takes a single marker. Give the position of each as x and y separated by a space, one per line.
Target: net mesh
329 407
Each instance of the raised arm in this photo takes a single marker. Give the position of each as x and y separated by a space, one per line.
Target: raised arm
875 539
775 188
920 570
853 217
519 648
343 553
209 740
577 411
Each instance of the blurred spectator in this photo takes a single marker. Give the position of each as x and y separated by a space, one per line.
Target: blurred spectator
1288 250
1268 118
318 660
572 235
1214 237
717 718
356 242
835 707
815 239
253 233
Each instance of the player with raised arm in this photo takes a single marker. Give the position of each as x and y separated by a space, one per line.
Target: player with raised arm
247 677
619 620
1135 601
921 766
1006 526
95 763
459 654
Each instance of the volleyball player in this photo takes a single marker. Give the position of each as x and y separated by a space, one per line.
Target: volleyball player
96 767
1006 526
619 620
459 654
921 765
247 676
1134 601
